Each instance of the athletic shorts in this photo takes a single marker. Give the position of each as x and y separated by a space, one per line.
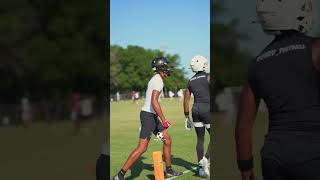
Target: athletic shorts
291 156
102 167
149 124
201 115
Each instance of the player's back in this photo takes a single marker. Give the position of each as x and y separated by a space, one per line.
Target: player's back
283 75
199 86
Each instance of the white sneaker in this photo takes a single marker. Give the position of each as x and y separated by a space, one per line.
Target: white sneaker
201 172
205 165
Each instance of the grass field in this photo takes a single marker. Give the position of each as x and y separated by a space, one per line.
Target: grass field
50 152
224 153
125 123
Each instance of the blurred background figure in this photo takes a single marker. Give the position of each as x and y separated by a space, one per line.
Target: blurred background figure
118 96
136 97
75 109
26 109
85 115
180 94
171 94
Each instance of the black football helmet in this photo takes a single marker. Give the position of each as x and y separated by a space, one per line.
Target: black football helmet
160 64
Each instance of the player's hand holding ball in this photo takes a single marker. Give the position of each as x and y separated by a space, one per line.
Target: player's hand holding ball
188 123
166 124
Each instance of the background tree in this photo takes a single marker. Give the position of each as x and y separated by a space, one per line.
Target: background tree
230 62
51 48
130 69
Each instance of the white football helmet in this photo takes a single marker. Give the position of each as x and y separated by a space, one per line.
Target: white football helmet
199 63
277 15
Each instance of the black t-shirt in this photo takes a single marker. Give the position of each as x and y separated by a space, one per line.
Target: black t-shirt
198 85
283 76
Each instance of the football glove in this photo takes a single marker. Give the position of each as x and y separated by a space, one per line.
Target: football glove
166 124
188 123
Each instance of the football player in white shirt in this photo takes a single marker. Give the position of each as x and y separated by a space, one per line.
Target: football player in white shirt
153 121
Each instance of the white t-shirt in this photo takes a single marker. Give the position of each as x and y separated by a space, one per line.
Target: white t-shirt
155 83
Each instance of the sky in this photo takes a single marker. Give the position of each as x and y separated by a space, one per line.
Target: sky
175 26
245 11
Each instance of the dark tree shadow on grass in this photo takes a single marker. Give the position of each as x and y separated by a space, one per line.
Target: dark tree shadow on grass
138 167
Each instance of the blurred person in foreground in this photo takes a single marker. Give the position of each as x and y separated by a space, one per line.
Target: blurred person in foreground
103 162
198 85
285 75
150 123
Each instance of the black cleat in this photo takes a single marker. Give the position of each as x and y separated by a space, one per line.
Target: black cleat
171 173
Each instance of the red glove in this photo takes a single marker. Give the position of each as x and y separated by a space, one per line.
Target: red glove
166 124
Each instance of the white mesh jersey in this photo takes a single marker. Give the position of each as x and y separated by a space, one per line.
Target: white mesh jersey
155 83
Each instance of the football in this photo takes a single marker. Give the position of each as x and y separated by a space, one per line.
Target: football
160 136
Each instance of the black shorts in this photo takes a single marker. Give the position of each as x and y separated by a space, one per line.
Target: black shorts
102 167
149 124
291 156
201 114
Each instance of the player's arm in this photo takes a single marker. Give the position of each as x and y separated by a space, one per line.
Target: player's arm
186 101
248 107
316 54
156 105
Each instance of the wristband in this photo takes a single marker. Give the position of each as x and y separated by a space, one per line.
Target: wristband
186 114
245 165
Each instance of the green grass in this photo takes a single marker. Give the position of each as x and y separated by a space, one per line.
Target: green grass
224 153
125 123
50 152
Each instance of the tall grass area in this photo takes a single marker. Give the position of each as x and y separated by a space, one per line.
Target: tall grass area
125 123
50 151
224 161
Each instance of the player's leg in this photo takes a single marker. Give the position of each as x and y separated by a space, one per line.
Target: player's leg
200 114
200 131
136 153
167 148
167 155
148 125
207 121
207 155
134 156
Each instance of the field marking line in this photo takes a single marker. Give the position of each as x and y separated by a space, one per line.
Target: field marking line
184 172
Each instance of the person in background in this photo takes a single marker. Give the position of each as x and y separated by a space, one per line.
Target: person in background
198 85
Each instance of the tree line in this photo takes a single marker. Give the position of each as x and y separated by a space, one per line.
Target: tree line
130 69
52 48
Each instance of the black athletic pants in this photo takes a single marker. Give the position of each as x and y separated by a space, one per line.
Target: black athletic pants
103 168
